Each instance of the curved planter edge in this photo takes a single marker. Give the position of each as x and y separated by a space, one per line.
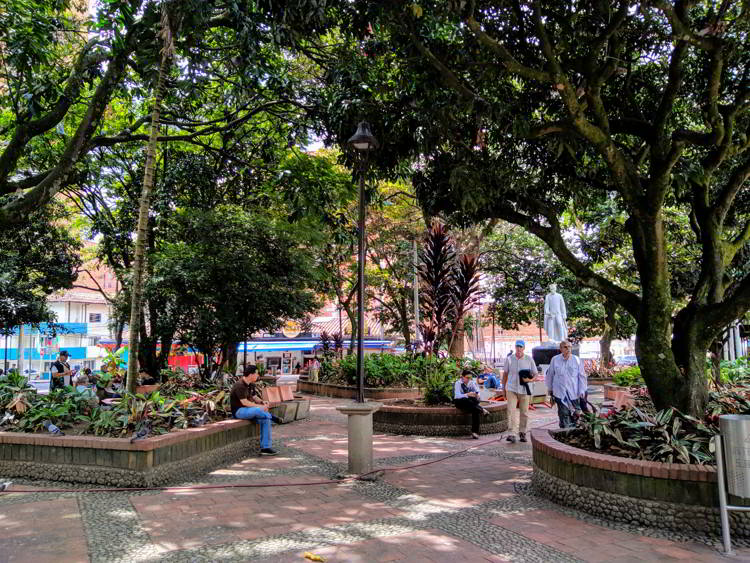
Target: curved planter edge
349 391
675 496
436 421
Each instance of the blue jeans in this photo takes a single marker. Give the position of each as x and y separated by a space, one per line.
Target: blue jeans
263 419
491 382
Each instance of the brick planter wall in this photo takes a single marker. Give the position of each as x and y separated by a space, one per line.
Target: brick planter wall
611 390
349 392
115 461
436 421
674 496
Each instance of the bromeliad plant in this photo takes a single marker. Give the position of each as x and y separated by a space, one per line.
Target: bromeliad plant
666 436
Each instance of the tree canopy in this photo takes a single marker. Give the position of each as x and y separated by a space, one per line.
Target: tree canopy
518 110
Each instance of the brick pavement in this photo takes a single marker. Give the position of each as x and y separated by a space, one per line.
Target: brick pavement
423 514
43 531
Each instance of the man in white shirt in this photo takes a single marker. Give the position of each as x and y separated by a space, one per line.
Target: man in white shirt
519 370
466 399
566 382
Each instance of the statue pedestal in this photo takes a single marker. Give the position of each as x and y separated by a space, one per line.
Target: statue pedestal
543 354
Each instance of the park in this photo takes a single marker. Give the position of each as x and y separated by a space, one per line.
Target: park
344 280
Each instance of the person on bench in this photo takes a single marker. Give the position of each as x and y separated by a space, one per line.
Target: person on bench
466 399
246 403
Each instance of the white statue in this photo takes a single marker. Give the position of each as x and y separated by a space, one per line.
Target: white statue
555 316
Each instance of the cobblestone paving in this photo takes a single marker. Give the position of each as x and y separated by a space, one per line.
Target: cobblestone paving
473 506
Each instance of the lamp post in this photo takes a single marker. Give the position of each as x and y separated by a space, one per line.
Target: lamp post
362 142
359 412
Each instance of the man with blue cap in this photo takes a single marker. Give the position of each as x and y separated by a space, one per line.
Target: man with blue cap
518 373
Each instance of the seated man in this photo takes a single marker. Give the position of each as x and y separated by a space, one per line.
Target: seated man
246 404
466 398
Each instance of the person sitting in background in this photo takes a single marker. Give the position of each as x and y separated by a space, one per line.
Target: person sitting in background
466 399
489 379
82 379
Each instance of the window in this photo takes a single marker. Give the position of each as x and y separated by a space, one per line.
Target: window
95 317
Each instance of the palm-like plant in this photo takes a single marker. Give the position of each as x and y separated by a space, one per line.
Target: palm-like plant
436 273
466 291
449 286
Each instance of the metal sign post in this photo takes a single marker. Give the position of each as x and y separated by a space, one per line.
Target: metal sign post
735 439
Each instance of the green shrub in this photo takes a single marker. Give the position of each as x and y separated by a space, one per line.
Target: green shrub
629 377
436 380
735 371
381 370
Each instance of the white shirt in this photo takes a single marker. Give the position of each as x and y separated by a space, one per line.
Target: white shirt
512 365
458 392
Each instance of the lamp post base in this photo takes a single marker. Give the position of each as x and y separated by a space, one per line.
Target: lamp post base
360 435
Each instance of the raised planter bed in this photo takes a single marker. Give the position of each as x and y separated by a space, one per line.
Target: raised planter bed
175 456
349 392
611 390
674 496
436 421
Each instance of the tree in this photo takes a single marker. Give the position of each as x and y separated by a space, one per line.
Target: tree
37 258
230 273
518 109
75 86
520 269
170 22
395 223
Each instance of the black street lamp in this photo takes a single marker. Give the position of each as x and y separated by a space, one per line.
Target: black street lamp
362 142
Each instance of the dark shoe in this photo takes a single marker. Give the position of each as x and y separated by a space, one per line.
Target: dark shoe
276 419
268 451
475 435
511 438
522 436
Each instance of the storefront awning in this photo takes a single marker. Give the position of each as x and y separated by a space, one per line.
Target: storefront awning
303 345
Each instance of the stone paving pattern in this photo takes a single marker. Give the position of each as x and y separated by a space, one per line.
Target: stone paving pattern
474 506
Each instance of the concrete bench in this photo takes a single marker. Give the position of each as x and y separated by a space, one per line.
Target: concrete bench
284 404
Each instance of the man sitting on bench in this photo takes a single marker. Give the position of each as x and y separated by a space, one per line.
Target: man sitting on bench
466 399
246 403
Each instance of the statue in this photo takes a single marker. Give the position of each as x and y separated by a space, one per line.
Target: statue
555 316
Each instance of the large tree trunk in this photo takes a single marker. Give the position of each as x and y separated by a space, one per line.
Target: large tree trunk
140 243
457 343
673 374
229 357
605 342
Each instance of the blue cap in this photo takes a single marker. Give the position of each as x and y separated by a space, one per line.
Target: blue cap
521 343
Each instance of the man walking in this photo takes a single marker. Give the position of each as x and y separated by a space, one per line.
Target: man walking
246 403
466 399
519 370
566 382
60 368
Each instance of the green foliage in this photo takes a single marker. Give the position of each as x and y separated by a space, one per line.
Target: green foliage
667 436
231 273
180 403
641 432
381 370
36 259
436 380
735 371
628 377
